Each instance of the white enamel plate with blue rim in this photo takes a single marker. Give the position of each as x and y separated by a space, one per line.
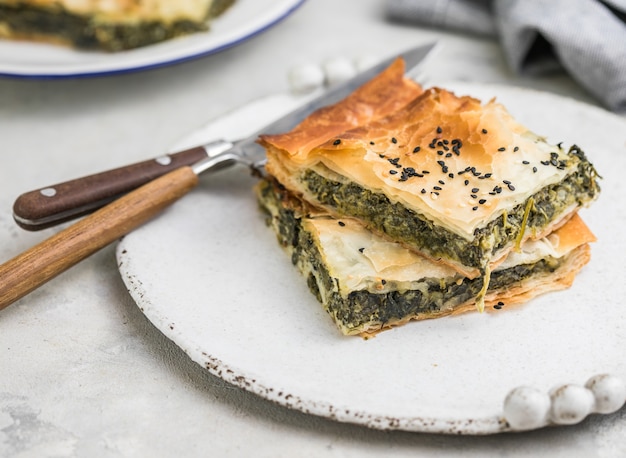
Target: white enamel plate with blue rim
211 277
243 21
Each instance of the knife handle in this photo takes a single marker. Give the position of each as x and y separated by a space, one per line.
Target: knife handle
31 269
62 202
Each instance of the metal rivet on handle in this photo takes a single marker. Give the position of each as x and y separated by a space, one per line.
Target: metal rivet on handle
48 192
163 160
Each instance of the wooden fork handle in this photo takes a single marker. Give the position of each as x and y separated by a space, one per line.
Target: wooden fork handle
31 269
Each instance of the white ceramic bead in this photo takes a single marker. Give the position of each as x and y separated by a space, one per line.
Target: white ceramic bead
338 69
608 391
570 404
304 78
526 408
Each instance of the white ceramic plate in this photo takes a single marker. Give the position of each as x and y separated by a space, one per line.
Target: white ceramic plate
209 274
244 20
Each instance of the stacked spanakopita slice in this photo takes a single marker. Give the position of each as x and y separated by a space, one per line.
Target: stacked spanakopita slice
368 283
112 25
459 183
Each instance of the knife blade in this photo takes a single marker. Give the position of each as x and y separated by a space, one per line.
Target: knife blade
52 205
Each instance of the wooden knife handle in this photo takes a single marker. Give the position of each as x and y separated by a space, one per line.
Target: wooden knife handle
62 202
44 261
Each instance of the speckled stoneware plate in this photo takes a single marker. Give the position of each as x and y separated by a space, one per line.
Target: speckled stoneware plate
244 20
209 274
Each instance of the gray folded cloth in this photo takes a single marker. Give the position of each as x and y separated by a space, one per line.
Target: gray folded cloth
585 37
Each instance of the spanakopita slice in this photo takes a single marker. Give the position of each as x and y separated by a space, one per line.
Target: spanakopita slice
460 181
113 25
367 283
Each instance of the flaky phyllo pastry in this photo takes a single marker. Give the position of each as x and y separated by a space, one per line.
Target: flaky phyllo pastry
457 182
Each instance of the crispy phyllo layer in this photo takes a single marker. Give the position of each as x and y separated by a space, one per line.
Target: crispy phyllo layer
367 283
457 180
110 26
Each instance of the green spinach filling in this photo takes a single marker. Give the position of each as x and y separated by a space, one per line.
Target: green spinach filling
366 310
85 32
407 226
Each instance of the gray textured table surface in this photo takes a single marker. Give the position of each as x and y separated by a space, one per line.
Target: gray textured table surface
83 372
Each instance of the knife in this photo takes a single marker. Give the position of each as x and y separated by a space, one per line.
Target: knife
44 261
51 205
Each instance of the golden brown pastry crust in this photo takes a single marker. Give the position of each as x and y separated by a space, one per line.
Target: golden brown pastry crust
379 97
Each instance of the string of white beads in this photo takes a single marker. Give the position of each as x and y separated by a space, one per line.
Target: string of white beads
528 408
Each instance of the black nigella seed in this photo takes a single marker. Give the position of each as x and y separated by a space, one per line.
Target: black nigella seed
361 250
336 142
466 182
437 188
439 130
341 223
534 169
506 182
525 162
502 148
382 156
516 149
442 182
473 196
393 172
372 143
475 189
423 191
484 131
445 142
474 208
394 140
511 187
451 175
383 281
440 153
448 154
416 149
482 201
488 175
